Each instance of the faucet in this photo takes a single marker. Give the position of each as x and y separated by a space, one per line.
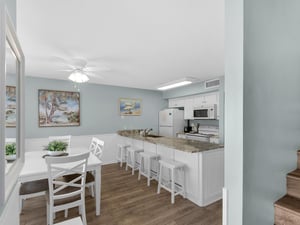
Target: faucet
146 131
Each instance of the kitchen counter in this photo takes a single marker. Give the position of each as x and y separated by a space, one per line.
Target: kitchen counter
185 145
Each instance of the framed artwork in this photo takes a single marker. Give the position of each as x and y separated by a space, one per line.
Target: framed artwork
130 107
59 108
10 106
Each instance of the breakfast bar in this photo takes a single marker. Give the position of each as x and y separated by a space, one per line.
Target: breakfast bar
204 161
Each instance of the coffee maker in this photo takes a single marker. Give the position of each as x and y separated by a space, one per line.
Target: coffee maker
187 128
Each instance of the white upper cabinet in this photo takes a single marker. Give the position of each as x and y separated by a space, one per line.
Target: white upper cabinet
195 101
189 109
176 102
206 99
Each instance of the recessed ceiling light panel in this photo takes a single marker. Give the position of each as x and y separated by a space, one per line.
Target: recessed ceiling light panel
177 83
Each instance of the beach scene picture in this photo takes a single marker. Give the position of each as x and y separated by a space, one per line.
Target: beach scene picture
130 107
59 108
10 106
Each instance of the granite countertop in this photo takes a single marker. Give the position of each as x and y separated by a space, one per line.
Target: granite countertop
191 146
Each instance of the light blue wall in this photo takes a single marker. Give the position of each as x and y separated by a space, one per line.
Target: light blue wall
272 103
99 108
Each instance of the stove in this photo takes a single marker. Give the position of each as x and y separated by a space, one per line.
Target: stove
203 134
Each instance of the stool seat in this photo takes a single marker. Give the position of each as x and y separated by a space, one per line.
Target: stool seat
145 167
132 158
171 186
171 163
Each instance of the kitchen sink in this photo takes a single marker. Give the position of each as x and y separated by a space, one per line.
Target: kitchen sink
153 136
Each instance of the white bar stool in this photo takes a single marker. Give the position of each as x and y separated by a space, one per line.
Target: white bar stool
170 185
121 156
132 158
145 160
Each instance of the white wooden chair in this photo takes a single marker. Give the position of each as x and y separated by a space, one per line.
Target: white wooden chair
30 189
96 148
63 195
66 139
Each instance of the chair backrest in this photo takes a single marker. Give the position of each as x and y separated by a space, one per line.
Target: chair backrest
59 188
96 147
66 139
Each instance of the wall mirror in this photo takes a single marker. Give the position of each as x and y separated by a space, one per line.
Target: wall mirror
12 153
11 108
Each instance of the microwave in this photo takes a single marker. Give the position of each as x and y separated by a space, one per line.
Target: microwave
205 112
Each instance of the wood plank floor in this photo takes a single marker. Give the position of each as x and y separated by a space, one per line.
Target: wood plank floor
127 201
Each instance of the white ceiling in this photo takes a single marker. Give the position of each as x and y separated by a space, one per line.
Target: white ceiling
132 43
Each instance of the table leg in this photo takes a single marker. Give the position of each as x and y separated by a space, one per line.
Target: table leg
98 189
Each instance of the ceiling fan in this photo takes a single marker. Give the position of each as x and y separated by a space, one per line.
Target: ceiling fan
80 71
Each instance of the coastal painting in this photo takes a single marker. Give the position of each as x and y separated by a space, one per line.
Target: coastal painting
10 106
59 108
130 107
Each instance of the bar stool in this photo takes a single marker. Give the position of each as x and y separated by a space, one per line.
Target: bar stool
171 186
121 156
145 160
132 158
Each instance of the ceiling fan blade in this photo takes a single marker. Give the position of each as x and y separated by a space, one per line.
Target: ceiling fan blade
67 70
94 75
95 69
78 62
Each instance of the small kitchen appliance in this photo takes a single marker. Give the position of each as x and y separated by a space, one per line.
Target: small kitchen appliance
205 112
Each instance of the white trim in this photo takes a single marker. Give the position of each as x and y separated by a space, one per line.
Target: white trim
224 206
7 32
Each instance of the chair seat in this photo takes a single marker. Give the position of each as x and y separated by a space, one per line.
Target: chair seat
74 221
33 187
89 178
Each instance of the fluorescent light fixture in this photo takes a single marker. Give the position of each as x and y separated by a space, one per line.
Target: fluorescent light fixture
177 83
78 76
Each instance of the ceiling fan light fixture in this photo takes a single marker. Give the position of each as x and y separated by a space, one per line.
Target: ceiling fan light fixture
177 83
78 77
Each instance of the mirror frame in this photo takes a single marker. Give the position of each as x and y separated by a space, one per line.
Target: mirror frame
7 33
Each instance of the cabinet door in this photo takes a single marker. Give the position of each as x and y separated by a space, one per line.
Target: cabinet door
176 102
206 99
189 109
210 98
198 100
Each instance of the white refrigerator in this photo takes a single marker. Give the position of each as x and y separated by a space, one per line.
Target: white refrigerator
171 122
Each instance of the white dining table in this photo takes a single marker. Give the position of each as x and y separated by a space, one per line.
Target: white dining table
35 168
